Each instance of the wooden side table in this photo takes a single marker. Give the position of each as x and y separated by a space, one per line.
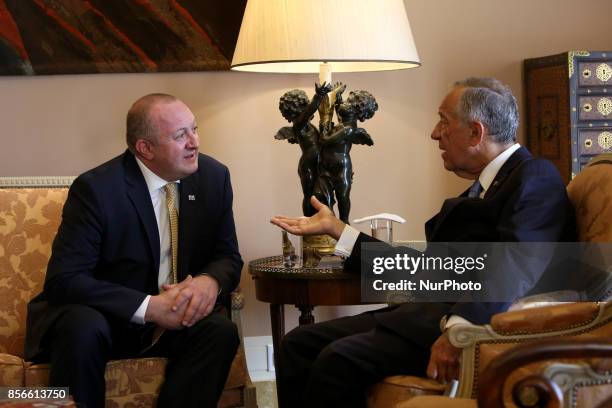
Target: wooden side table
303 287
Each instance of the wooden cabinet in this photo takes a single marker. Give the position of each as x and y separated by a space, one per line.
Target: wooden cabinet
569 108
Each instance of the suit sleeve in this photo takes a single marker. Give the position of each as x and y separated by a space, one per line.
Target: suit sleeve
537 211
354 263
226 263
75 255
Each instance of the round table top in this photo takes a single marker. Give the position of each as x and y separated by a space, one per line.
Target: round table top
272 267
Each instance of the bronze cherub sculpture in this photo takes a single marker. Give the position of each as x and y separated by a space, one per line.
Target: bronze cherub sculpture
325 167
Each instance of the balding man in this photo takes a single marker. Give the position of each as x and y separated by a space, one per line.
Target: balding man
144 259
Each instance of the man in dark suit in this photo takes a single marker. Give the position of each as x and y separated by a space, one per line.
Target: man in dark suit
514 198
129 277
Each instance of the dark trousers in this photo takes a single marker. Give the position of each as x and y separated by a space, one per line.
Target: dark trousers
83 340
331 364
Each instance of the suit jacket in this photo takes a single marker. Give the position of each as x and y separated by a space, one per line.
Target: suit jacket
526 201
106 252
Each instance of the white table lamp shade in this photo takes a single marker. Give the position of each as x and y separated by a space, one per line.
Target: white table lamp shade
296 36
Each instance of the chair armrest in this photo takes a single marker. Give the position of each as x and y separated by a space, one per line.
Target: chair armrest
545 319
480 344
466 337
547 392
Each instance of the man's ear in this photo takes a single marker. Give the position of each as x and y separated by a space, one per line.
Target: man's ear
478 131
143 148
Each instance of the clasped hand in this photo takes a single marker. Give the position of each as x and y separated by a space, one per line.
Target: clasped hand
183 304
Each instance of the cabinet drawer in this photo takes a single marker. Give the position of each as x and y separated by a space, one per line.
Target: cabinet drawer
595 73
594 141
595 107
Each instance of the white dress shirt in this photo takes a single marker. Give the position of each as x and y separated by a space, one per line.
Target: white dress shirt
347 240
155 185
490 171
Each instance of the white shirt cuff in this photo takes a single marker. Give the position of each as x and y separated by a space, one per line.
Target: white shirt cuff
347 240
455 319
139 315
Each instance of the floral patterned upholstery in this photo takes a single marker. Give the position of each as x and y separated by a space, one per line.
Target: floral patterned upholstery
11 370
29 219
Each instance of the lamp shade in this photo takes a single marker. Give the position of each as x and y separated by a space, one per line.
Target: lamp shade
296 36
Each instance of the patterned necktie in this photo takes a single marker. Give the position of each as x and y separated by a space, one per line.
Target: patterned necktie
475 190
171 194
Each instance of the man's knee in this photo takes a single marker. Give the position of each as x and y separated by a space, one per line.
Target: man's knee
328 358
341 359
83 327
227 331
295 340
221 330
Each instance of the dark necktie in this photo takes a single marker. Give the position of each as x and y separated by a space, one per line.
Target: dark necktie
475 190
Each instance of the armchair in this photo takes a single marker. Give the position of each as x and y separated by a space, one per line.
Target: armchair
543 389
559 385
591 194
30 213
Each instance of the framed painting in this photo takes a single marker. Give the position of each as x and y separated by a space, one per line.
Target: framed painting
45 37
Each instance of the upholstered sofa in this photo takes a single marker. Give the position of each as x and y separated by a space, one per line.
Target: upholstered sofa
591 195
30 213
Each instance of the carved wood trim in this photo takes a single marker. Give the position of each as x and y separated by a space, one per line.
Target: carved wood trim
36 181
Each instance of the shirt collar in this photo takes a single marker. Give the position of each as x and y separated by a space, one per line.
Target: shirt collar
490 171
154 182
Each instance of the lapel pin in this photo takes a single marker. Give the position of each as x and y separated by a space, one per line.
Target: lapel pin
191 197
